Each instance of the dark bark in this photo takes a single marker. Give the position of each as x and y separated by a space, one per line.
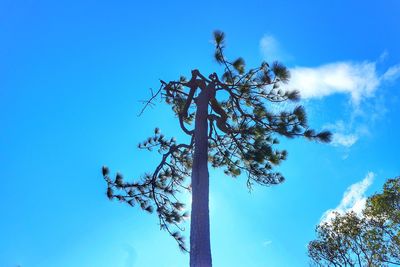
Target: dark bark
200 248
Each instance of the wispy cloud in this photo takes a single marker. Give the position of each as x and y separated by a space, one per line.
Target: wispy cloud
359 80
346 140
342 134
383 56
266 243
130 255
392 74
353 199
272 50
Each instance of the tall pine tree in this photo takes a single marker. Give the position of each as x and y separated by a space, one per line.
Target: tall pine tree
234 129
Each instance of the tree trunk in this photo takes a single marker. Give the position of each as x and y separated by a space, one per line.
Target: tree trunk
200 249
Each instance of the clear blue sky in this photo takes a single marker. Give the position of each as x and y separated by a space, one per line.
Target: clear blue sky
72 74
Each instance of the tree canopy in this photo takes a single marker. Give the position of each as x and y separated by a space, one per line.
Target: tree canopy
369 239
235 128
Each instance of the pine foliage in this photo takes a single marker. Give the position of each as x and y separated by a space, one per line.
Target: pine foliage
242 137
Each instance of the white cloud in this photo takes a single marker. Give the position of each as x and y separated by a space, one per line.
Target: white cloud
346 140
354 199
383 56
342 135
130 255
266 243
271 50
359 80
392 73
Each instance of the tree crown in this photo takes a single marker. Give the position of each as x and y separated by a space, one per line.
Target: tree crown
241 134
369 239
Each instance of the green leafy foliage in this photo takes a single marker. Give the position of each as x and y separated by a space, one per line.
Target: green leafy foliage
372 239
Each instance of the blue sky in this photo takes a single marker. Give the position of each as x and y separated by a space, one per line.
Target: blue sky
72 74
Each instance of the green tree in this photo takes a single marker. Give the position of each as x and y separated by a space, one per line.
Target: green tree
371 239
234 129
